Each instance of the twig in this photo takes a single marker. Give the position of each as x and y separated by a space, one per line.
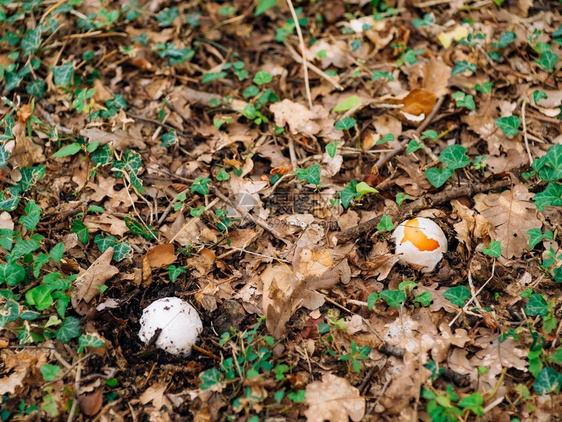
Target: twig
424 203
525 131
312 67
365 382
76 393
465 307
106 409
192 221
292 153
472 289
256 220
303 52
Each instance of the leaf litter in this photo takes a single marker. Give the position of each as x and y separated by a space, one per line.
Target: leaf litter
174 153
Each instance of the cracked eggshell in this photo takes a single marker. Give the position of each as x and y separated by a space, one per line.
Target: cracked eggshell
179 321
420 242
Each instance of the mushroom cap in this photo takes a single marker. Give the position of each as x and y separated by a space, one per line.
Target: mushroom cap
179 321
420 242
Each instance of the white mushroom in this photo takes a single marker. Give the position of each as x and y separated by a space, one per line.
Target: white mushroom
178 321
420 242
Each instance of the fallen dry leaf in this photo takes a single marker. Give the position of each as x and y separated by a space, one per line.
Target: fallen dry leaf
333 399
512 213
155 394
87 286
161 256
90 404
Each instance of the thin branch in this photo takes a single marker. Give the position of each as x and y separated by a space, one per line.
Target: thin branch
422 204
525 131
474 295
303 52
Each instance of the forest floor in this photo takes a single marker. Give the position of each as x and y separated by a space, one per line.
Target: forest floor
255 158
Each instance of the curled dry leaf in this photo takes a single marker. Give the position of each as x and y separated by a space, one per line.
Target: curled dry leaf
90 404
334 400
161 256
87 286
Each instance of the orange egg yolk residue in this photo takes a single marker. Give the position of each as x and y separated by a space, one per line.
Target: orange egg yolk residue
418 238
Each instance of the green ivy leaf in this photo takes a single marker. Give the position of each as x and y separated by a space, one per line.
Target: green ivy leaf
12 274
348 104
50 372
371 300
538 95
4 156
167 17
104 242
174 272
37 88
536 306
264 6
200 185
536 236
222 175
385 225
473 402
505 39
548 381
454 156
168 139
32 40
212 76
485 88
549 166
438 177
89 340
121 251
430 134
32 216
556 357
413 146
464 100
494 249
363 188
332 148
394 298
348 194
401 197
387 137
68 150
462 66
552 195
379 74
345 124
70 329
63 74
24 247
509 125
81 231
262 78
57 252
210 378
547 61
40 297
457 295
311 175
424 299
